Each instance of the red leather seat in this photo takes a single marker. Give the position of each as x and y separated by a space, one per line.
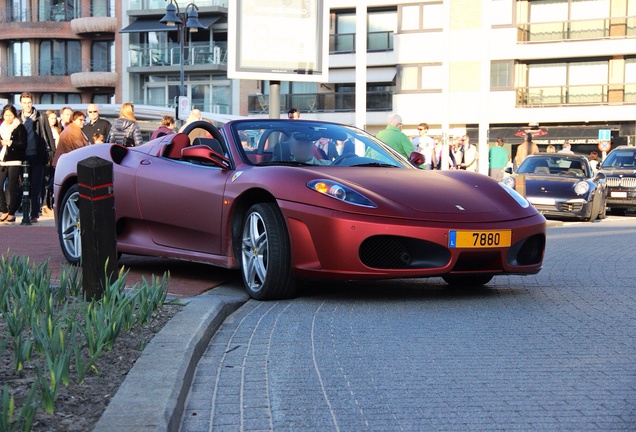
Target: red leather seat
178 143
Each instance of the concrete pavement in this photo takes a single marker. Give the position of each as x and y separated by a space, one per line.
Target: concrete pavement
152 397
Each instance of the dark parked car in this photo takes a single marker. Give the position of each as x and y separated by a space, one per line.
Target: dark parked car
561 186
278 212
620 168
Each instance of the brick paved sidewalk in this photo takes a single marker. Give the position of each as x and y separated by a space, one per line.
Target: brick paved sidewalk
39 241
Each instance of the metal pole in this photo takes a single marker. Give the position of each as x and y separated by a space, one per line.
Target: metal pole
274 99
26 197
182 29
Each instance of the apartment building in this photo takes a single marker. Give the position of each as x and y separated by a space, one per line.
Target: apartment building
560 69
153 58
63 52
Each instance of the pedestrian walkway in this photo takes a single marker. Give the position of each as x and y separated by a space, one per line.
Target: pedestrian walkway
39 241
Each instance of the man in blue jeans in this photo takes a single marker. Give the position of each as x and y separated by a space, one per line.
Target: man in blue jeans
40 148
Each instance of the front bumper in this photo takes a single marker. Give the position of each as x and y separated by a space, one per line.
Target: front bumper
576 208
621 197
336 245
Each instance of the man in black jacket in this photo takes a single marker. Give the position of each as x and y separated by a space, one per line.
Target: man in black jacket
39 152
95 124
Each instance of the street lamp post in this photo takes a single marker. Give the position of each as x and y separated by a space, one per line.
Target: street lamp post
174 17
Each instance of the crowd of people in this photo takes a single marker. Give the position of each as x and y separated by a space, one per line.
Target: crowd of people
462 155
35 141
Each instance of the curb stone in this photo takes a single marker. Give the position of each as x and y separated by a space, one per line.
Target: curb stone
152 397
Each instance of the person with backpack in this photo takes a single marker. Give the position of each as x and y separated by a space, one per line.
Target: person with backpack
125 129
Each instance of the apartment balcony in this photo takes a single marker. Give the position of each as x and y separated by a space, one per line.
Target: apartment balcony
196 57
321 102
94 24
161 4
346 42
615 27
94 79
576 95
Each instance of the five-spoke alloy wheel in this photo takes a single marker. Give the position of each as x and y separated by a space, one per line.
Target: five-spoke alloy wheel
69 226
265 254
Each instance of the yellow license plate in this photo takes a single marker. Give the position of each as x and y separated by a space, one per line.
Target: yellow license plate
479 239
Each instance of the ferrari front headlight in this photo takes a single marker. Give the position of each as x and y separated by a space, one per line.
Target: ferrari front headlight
340 192
516 195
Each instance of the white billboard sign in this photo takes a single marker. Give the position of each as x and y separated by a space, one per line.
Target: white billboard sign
278 40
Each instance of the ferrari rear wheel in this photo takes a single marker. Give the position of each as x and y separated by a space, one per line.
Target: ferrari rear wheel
69 226
265 254
467 280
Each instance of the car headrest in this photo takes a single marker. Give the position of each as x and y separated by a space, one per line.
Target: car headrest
179 142
212 143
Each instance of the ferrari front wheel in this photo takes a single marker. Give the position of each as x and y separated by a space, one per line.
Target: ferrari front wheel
265 254
69 226
467 280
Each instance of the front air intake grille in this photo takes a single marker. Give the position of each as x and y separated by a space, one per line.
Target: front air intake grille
528 251
394 252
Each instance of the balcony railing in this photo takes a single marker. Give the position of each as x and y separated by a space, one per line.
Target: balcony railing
346 42
202 104
321 102
194 54
161 4
594 94
60 13
577 29
103 10
59 67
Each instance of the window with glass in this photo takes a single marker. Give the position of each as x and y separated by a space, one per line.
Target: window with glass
420 78
381 27
103 8
19 58
20 10
567 19
205 92
103 98
60 98
60 57
103 56
501 74
574 82
58 10
344 40
418 17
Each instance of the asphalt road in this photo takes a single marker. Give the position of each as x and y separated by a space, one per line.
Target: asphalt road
554 351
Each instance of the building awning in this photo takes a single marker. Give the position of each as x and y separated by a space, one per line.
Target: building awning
152 25
374 75
554 135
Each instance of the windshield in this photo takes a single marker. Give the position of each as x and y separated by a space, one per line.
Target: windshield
620 158
555 165
300 142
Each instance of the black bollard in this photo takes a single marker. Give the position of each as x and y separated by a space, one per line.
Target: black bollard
97 225
26 197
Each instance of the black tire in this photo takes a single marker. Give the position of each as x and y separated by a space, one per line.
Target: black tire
603 214
68 227
265 254
596 209
467 280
